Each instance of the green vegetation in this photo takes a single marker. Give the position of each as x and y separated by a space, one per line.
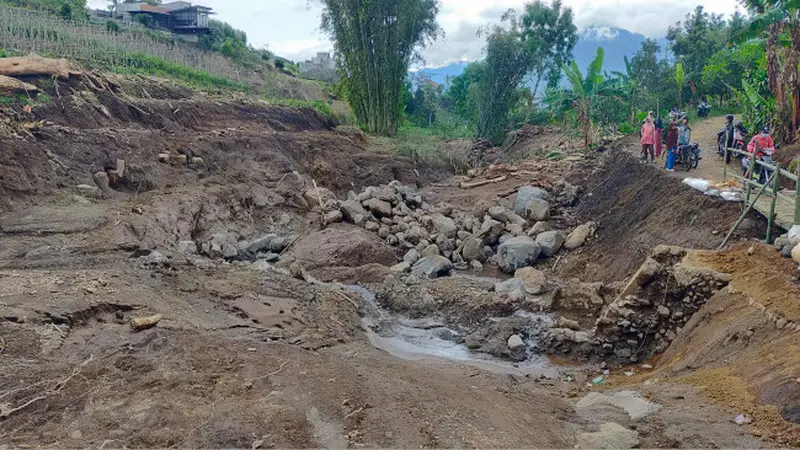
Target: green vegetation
375 42
322 107
151 65
425 149
67 9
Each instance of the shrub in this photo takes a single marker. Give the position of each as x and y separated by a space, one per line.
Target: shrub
113 26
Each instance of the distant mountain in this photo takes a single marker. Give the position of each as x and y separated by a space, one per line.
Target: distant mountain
440 75
617 44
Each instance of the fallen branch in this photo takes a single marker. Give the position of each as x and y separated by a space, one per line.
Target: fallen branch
35 65
483 182
271 373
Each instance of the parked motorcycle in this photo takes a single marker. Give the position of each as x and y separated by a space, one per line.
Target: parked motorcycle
703 109
763 174
689 156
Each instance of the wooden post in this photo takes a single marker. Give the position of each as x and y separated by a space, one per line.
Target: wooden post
744 214
797 196
750 171
776 186
725 166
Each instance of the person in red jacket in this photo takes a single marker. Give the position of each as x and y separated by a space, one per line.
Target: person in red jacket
648 139
762 144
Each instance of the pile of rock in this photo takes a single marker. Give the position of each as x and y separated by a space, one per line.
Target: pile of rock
789 244
226 246
647 315
439 238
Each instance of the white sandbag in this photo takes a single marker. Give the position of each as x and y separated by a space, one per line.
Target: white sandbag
731 196
697 183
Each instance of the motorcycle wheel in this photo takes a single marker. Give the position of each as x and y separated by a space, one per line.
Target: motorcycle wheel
695 160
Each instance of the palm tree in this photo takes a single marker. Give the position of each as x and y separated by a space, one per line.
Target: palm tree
584 91
778 18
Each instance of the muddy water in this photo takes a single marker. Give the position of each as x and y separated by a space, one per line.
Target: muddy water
429 338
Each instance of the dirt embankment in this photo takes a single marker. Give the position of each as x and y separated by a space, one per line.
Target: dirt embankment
86 129
638 207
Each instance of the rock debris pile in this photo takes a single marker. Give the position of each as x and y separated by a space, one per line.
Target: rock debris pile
647 315
439 238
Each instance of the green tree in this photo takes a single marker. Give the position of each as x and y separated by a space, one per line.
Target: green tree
550 35
695 40
628 83
375 43
585 89
680 81
779 22
507 62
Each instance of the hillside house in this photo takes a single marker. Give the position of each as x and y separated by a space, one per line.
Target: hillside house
321 67
178 17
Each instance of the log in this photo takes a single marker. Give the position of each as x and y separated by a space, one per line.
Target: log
483 182
35 65
143 323
10 85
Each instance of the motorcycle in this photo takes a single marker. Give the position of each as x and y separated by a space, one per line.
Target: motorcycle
739 141
703 109
763 175
689 156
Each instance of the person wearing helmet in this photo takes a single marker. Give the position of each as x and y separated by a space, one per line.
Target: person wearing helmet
761 148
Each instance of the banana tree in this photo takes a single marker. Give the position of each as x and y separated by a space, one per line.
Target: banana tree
630 85
777 20
584 90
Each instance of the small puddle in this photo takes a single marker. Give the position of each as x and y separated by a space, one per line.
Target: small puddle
420 339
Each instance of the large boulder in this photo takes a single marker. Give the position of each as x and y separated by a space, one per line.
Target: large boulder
379 207
534 282
516 253
269 243
579 235
550 242
353 212
444 225
610 436
538 210
432 267
343 245
512 288
524 197
472 249
499 213
313 197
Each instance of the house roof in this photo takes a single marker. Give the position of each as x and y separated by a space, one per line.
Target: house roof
153 9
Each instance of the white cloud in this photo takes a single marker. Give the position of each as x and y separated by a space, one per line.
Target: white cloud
291 27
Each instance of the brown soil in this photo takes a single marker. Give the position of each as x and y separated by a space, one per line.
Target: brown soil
638 208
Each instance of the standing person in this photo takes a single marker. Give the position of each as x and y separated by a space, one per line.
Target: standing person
672 145
730 135
648 139
659 136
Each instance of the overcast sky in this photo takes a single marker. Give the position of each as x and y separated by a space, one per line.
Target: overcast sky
290 28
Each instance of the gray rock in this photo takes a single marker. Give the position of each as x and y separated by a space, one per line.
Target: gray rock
445 245
432 267
313 196
524 197
538 228
333 217
516 253
533 281
187 247
499 213
353 212
492 228
270 242
512 288
366 194
538 210
372 226
663 311
550 242
103 183
402 267
631 402
514 229
579 235
563 322
392 240
384 232
463 234
379 207
475 265
222 245
270 257
416 234
154 259
412 256
431 250
610 436
444 225
515 342
472 249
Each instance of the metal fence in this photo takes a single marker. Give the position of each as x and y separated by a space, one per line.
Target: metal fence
27 31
